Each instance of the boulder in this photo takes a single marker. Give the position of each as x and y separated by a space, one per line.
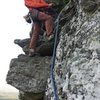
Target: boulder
29 74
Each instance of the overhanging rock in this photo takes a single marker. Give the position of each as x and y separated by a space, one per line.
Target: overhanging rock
29 74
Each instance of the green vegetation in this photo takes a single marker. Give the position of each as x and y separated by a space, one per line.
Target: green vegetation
61 4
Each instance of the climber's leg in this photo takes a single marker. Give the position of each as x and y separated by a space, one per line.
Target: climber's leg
35 36
48 22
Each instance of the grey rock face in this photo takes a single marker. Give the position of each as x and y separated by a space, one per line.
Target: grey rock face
29 74
90 5
77 69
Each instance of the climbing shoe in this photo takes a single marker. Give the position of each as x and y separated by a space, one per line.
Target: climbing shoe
50 37
31 53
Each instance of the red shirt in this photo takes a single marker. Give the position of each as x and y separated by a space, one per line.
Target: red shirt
36 3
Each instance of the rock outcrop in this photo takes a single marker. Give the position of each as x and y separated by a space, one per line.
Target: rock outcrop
29 74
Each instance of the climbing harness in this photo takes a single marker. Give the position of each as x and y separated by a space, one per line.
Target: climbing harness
53 61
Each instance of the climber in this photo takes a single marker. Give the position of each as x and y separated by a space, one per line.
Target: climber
36 10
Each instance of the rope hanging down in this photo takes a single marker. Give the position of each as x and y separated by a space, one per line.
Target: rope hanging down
53 61
54 54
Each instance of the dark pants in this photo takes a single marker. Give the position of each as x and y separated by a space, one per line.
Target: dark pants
37 17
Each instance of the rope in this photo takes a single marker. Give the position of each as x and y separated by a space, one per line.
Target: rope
54 55
53 61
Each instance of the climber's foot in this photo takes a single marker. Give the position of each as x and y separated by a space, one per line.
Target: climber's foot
31 53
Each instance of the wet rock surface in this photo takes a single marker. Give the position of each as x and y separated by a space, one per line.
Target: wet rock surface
29 74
